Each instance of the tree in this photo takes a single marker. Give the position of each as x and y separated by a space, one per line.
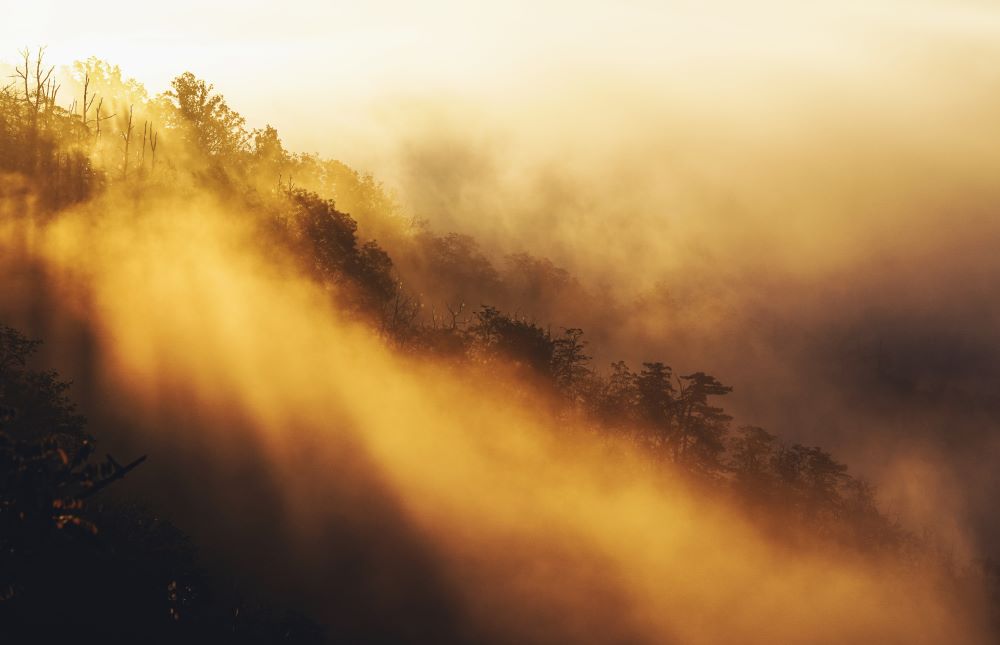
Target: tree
656 403
103 79
569 362
701 427
34 403
72 568
453 268
39 140
499 336
45 477
814 479
325 239
204 121
751 456
617 397
329 236
270 158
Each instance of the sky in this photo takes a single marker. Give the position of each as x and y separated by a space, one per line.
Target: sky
319 69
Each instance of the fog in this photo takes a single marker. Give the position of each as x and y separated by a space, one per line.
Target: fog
800 199
377 483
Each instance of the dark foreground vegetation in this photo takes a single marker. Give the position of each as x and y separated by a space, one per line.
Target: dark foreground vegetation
72 567
72 562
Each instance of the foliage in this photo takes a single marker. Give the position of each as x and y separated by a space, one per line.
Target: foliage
204 120
69 568
326 240
38 138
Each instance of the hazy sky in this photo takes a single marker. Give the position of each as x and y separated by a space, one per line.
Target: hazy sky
323 72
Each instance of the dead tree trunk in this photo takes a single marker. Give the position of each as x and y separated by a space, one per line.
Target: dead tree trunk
127 138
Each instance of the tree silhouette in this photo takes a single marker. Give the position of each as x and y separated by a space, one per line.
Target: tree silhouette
656 402
73 569
752 453
204 120
569 362
524 344
701 427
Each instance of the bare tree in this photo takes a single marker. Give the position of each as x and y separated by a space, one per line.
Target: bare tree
51 91
98 119
455 313
41 82
39 92
23 73
400 312
153 138
142 153
87 100
127 138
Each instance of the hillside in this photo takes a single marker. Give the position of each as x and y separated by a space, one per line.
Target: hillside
330 421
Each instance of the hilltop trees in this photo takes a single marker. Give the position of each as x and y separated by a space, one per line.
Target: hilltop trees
101 83
518 341
326 241
269 158
570 370
655 401
701 427
616 399
752 452
203 120
324 215
34 131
